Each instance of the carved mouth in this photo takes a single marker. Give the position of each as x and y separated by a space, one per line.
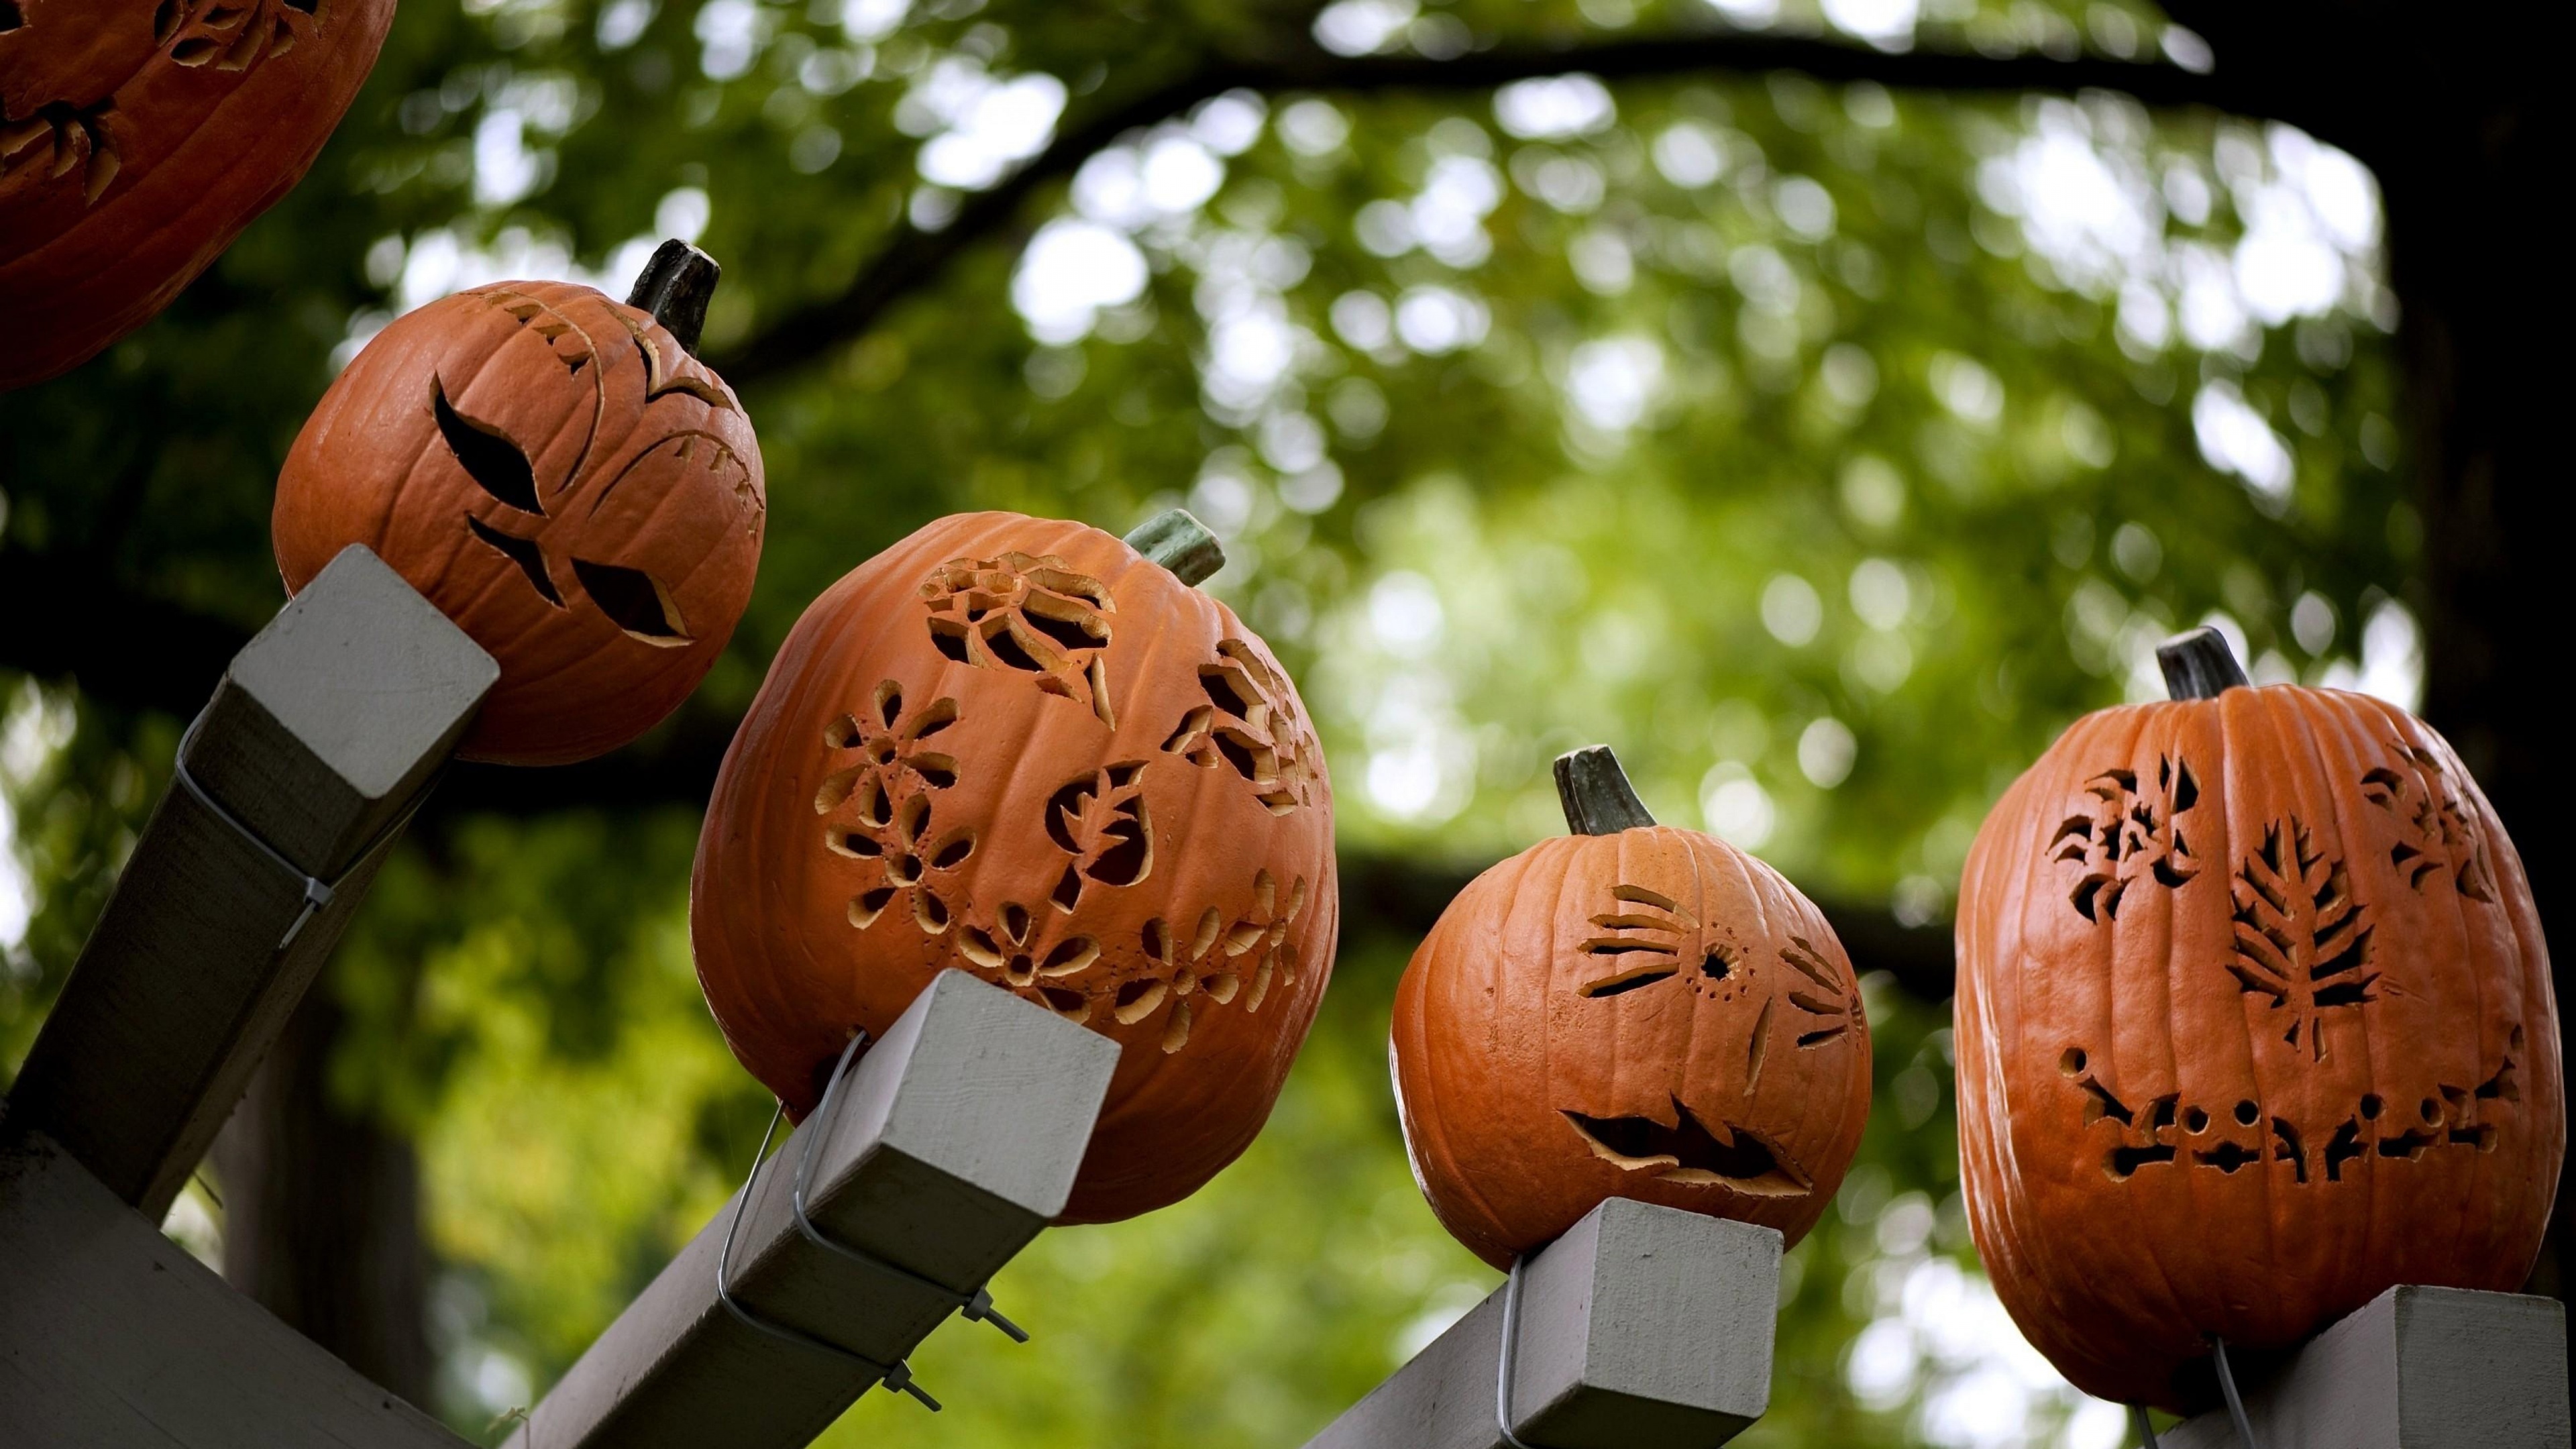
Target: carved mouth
1689 1152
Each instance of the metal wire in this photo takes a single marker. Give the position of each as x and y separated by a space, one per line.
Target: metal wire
1505 1372
318 893
2146 1431
896 1375
976 1306
2227 1386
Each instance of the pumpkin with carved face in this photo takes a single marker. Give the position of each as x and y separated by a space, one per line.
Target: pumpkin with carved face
1022 748
563 479
137 139
2254 1022
1628 1011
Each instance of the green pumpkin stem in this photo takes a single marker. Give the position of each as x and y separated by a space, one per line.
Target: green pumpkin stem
1595 792
675 287
1180 543
2199 665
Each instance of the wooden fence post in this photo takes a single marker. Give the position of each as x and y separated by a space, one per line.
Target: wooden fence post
2415 1368
323 734
955 1141
1642 1328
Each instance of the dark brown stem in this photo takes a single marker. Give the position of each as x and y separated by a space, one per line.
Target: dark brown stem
1595 792
2199 665
1179 542
675 287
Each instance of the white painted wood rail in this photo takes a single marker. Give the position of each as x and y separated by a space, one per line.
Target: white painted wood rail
1642 1328
324 733
2415 1368
956 1141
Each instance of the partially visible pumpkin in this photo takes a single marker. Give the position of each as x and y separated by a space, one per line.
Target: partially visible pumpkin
2254 1022
1024 749
137 139
560 476
1632 1011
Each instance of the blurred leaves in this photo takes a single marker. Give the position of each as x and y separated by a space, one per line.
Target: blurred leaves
1826 449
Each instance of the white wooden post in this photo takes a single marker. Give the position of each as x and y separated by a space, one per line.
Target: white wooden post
2415 1368
324 732
955 1141
1642 1328
111 1337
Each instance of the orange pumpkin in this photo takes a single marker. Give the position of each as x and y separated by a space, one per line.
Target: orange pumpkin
1629 1011
1021 748
561 477
2254 1022
137 139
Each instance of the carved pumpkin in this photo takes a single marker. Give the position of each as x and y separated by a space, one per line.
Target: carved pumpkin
1629 1011
137 139
1021 748
2254 1022
563 479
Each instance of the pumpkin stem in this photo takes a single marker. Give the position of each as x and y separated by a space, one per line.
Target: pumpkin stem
2199 665
1595 792
1180 543
675 287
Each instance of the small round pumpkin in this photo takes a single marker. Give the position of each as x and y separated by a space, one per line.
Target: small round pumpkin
1024 749
2254 1022
137 139
560 476
1631 1011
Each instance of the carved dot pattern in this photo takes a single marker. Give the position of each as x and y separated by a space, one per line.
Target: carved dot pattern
2457 1119
1251 725
1027 613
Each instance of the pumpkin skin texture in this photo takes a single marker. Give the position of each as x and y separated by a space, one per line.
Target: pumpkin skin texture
1719 1062
1016 747
2254 1022
138 138
563 479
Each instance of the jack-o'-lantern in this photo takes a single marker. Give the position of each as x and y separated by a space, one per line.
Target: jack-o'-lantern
137 139
1631 1011
2254 1023
561 477
1024 749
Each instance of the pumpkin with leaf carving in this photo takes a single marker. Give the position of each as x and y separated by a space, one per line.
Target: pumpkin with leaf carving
1631 1011
138 138
1025 749
559 475
2254 1023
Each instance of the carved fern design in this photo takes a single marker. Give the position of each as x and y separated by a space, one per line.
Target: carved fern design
2126 835
2300 936
1102 821
2436 837
1027 613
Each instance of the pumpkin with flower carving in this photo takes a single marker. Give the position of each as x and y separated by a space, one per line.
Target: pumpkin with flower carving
1024 749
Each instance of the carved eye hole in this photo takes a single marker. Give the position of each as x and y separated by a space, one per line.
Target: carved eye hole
635 600
10 18
521 551
491 460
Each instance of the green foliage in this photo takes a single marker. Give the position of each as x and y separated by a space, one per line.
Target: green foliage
1826 450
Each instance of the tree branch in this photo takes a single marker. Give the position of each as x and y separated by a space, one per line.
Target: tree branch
915 258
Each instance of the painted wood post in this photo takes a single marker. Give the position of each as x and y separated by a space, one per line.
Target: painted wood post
1642 1328
2415 1368
111 1335
325 731
955 1141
